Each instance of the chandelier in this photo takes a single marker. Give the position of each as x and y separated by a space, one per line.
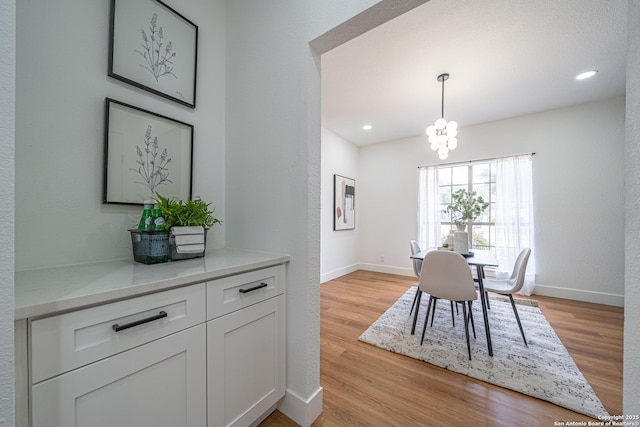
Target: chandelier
442 134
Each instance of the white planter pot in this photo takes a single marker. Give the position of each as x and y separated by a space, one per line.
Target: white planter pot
187 242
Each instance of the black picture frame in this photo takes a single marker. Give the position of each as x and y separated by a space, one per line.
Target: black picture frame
344 203
145 153
155 48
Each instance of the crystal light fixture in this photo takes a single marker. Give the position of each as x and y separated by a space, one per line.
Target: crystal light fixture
442 134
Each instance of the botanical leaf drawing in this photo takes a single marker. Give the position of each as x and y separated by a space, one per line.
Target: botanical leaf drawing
152 169
158 57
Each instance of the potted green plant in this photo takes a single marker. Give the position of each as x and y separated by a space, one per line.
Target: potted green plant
465 206
188 223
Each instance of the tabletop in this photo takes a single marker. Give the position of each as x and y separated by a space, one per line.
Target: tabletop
480 258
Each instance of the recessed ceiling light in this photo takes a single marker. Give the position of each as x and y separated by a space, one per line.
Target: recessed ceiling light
367 127
586 75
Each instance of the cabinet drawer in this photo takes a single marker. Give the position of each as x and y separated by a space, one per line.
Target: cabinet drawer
68 341
235 292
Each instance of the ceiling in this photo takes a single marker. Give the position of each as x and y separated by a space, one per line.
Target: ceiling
506 58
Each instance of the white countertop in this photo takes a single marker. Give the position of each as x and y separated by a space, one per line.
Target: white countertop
51 290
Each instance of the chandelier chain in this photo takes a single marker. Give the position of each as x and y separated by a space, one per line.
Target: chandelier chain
442 113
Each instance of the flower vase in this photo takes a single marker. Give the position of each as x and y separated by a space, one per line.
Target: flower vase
461 242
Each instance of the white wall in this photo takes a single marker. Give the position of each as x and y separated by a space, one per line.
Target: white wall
273 136
631 380
338 249
389 204
273 153
578 193
7 193
61 83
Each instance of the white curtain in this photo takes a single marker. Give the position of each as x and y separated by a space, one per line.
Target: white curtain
429 235
514 216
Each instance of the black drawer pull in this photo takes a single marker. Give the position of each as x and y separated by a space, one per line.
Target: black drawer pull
260 286
119 328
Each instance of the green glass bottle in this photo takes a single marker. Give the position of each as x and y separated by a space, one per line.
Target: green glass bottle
159 237
146 218
158 219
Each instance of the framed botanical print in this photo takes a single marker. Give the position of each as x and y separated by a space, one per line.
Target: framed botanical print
145 153
155 48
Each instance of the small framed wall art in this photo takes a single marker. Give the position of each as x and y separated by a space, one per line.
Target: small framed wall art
344 203
155 48
144 154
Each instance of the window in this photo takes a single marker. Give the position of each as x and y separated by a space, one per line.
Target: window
481 178
506 227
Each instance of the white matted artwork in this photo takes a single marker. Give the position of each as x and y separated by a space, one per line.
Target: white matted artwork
155 48
344 203
145 154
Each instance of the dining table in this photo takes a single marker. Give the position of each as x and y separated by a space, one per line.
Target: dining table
479 259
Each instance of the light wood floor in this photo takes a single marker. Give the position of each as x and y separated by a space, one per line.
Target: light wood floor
367 386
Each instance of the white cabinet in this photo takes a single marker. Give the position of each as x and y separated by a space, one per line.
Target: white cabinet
138 362
245 360
206 354
246 347
159 384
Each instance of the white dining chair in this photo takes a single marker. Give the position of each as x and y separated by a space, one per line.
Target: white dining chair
513 284
417 269
446 275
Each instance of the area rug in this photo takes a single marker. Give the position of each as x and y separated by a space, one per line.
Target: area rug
543 369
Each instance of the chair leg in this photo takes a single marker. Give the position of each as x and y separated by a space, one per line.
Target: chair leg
433 310
415 298
486 298
515 311
415 316
466 328
426 318
473 326
453 318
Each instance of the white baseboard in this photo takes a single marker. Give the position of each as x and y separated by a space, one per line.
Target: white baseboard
380 268
580 295
302 411
325 277
544 290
